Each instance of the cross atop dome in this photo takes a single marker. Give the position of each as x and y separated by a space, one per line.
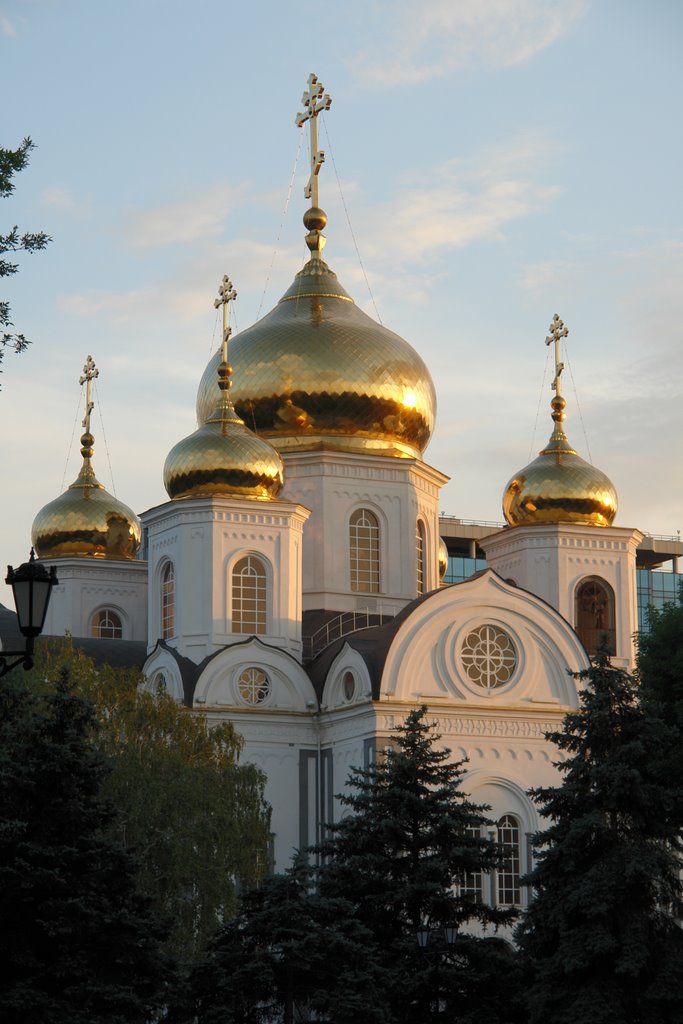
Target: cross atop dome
557 332
90 372
314 100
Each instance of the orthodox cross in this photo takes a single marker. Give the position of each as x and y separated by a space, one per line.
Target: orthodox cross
313 101
90 372
226 293
557 331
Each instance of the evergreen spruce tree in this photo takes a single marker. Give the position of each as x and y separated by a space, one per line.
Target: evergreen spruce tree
403 859
599 935
78 943
289 955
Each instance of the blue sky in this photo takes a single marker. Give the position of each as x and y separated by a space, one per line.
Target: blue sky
500 161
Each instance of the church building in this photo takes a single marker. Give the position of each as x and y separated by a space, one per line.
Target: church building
293 582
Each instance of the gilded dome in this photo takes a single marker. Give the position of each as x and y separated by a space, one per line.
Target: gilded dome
86 521
443 559
319 372
559 486
223 458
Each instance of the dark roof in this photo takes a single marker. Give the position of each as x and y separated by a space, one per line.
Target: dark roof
372 644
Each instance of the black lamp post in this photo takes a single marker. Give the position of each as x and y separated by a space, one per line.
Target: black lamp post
31 585
442 942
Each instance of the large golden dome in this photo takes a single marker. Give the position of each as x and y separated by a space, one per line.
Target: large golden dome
559 486
318 371
86 521
223 458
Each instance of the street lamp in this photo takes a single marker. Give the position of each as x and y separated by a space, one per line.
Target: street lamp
31 585
441 940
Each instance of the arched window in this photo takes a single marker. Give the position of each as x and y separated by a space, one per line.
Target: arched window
106 625
168 601
509 890
595 615
249 596
420 553
364 551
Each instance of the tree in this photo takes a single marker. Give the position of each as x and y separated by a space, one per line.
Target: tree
337 940
78 939
195 818
288 956
402 859
660 665
12 161
600 935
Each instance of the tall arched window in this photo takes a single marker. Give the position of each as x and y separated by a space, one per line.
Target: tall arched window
595 615
509 836
168 601
420 553
106 625
249 596
364 551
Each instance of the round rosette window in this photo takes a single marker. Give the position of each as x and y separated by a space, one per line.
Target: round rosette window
254 686
489 657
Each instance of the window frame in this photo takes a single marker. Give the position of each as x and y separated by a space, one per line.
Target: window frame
249 621
365 552
167 610
108 611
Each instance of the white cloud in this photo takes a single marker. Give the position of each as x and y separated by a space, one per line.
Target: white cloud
201 217
6 27
464 204
59 198
431 39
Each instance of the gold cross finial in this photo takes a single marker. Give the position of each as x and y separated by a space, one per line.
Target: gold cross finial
314 100
90 372
557 332
226 294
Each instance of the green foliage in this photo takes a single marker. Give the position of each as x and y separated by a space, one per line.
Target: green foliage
600 936
400 860
194 817
289 955
338 942
12 161
79 941
660 662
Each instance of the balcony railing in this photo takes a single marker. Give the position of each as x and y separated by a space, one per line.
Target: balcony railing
335 629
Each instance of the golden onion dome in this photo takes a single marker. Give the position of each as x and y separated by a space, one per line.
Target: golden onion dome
86 521
319 372
223 457
443 558
559 486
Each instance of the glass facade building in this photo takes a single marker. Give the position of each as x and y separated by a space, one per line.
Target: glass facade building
656 589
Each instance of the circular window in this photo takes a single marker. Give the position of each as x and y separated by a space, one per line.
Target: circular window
254 686
348 685
489 657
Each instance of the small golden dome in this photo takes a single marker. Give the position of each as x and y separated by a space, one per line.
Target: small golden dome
443 558
318 371
86 521
559 486
223 458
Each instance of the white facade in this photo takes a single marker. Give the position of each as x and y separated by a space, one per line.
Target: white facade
398 491
90 586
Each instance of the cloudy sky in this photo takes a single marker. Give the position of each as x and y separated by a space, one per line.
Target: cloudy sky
489 163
